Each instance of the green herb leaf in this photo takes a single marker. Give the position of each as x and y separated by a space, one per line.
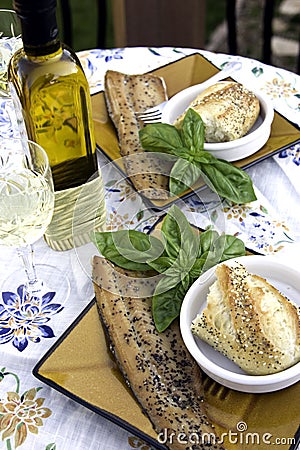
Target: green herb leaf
166 306
230 247
168 281
51 446
222 248
204 157
186 282
178 234
229 181
161 264
197 268
187 143
179 269
129 249
207 239
183 176
160 137
180 258
192 131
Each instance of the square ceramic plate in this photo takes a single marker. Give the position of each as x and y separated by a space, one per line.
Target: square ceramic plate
80 366
88 374
179 75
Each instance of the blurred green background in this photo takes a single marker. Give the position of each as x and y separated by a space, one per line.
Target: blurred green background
84 13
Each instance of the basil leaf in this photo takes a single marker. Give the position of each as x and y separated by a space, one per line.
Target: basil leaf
179 269
171 233
229 181
197 268
183 176
166 306
223 248
187 143
160 137
186 282
181 258
178 234
192 131
161 264
168 281
129 249
207 239
204 157
230 247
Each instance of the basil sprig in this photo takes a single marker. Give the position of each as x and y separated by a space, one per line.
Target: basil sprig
181 256
129 249
185 145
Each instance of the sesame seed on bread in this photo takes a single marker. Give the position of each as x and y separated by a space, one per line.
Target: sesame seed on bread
228 111
250 321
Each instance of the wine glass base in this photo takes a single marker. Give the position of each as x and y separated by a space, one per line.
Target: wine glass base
51 280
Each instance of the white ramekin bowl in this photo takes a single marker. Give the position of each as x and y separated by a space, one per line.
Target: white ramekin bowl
235 150
213 363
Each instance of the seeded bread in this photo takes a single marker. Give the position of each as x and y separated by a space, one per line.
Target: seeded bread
157 368
125 95
250 322
228 111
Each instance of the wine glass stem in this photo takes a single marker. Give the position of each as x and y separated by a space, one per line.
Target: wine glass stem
34 286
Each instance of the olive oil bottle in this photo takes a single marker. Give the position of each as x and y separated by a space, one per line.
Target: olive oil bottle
54 95
49 84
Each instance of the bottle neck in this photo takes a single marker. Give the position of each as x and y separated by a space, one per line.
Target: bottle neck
43 51
38 56
39 33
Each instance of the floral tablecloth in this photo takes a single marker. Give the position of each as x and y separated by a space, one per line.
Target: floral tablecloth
34 416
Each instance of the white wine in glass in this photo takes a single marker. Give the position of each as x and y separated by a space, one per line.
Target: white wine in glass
26 208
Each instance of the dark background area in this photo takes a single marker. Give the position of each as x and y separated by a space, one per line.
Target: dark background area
84 16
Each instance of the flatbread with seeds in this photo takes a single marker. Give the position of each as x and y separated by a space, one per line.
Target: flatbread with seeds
125 95
163 376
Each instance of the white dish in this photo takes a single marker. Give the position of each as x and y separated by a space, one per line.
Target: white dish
213 363
253 141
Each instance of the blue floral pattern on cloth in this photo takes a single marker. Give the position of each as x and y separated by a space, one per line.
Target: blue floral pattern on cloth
6 129
23 318
289 161
293 153
257 227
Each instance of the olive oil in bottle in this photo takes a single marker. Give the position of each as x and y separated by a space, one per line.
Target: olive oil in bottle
48 81
54 95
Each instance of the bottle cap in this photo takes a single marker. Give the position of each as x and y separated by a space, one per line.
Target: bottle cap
34 6
38 22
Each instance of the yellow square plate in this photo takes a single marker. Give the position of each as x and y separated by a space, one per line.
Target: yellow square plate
179 75
81 366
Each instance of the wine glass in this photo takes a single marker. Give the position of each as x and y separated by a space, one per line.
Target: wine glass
26 208
10 42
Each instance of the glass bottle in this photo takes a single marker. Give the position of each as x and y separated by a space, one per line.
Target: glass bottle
51 86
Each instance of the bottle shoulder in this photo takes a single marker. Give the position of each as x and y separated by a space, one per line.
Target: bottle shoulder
62 63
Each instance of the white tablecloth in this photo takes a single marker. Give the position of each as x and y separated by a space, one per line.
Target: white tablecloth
269 225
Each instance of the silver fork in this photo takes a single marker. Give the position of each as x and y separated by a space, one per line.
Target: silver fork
153 115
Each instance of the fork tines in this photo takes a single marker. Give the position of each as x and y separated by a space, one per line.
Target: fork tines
151 115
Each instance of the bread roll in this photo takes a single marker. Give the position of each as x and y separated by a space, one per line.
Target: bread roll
228 111
250 322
